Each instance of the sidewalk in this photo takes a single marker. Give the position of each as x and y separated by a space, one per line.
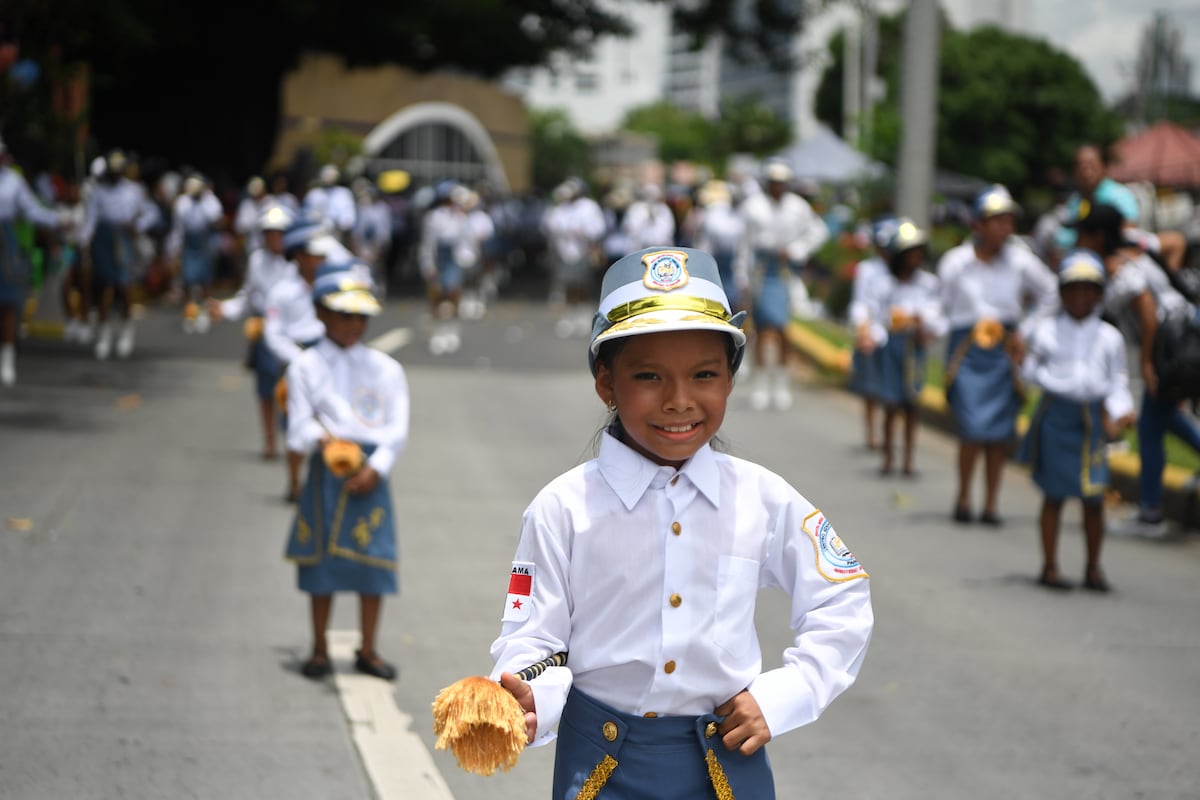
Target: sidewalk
1181 498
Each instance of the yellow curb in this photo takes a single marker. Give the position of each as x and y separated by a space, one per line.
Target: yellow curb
933 399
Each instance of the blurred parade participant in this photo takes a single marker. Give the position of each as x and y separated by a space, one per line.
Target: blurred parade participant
348 406
649 221
290 324
872 280
17 201
281 193
266 267
782 233
332 201
616 241
196 217
482 231
985 284
719 230
1078 361
117 211
574 226
249 210
446 251
371 239
911 306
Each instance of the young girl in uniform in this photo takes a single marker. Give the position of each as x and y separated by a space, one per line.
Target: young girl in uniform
645 564
1078 361
913 317
348 407
871 279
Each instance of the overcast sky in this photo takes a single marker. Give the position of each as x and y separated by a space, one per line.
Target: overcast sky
1104 35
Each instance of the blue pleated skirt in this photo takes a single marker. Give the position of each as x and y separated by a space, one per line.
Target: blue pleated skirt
1064 448
901 370
773 300
659 758
14 269
343 542
112 256
981 392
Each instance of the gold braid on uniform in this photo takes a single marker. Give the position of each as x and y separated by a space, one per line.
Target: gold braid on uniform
595 782
716 774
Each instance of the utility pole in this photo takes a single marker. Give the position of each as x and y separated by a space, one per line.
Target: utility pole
918 109
851 82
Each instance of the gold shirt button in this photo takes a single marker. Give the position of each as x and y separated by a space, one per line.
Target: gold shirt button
676 528
669 667
610 731
711 730
676 600
650 715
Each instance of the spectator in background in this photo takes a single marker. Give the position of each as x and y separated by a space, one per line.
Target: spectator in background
649 222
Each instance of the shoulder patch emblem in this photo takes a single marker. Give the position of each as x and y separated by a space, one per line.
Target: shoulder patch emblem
665 270
519 603
834 560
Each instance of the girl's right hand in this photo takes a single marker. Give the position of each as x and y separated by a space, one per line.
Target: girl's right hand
524 694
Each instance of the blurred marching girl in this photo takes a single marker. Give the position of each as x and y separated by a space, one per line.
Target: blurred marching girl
912 304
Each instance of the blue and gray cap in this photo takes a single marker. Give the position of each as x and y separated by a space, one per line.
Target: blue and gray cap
659 290
343 286
994 201
1081 266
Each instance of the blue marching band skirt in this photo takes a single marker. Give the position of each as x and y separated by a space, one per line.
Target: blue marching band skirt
866 371
450 273
197 261
14 274
1065 448
901 370
772 299
266 368
982 389
603 752
112 256
725 259
343 542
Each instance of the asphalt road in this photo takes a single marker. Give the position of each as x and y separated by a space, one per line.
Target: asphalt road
150 630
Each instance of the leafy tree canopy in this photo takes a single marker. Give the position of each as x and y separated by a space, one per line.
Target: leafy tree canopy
1010 108
200 83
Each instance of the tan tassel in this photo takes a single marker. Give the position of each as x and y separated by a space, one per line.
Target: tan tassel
482 723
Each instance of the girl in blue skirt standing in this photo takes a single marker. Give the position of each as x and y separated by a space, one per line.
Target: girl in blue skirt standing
913 316
1078 361
348 407
645 564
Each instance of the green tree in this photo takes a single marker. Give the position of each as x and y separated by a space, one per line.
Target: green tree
682 135
747 125
1010 107
200 83
559 150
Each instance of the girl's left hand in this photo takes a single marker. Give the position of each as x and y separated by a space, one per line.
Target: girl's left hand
363 482
743 728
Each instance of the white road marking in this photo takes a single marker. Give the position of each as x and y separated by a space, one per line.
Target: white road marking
396 760
391 341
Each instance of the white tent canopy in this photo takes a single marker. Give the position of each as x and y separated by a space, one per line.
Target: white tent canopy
825 158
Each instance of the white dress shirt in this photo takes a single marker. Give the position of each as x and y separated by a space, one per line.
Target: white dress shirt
573 227
919 296
198 214
649 578
1135 276
446 225
649 224
124 204
353 393
721 229
872 281
788 225
1002 289
263 271
1081 360
291 318
18 200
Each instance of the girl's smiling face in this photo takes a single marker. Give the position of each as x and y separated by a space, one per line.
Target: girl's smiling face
670 391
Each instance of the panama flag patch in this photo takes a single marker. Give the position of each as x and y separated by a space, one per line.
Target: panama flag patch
518 604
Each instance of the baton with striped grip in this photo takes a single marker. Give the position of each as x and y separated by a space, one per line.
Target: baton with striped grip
533 670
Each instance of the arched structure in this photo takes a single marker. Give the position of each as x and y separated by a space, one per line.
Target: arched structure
435 140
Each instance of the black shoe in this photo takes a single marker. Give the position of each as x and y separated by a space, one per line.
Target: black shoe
962 515
1095 581
989 518
1052 580
374 666
316 667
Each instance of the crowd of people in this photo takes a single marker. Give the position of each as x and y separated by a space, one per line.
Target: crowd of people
985 297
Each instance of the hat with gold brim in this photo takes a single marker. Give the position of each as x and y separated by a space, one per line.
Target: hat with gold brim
661 290
1081 266
341 287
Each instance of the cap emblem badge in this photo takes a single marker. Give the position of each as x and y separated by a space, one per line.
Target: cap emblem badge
665 270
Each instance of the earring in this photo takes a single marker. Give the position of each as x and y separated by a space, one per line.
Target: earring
612 407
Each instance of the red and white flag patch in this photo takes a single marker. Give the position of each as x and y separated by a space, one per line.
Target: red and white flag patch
519 603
